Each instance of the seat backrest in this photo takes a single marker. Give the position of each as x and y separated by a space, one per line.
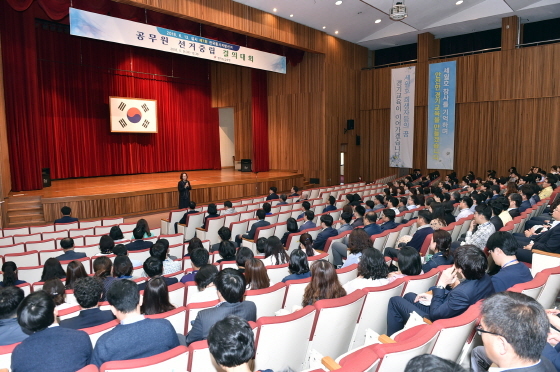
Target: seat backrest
140 255
532 288
27 238
112 221
292 242
8 240
41 229
98 331
42 245
212 227
45 255
200 358
103 230
192 311
81 232
277 272
15 231
85 224
343 312
173 239
379 240
66 226
30 274
89 250
292 332
238 228
175 359
426 244
294 293
193 295
6 354
544 260
421 283
194 221
376 302
13 248
176 317
347 273
269 300
24 259
548 294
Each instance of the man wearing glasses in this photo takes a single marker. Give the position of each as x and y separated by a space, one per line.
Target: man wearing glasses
548 241
514 330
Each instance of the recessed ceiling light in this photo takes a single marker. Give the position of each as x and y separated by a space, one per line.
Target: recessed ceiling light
324 27
291 15
459 2
377 20
336 32
274 9
338 2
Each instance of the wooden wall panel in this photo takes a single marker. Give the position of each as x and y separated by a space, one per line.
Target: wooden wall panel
510 25
5 175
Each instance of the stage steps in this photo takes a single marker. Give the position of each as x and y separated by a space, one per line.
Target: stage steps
24 211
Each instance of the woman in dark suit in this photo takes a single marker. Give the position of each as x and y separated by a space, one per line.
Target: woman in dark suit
184 187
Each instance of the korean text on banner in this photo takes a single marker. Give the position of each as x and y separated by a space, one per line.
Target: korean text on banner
441 115
401 139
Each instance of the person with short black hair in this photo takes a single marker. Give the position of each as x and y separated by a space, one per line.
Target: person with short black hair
10 298
430 363
275 254
204 278
526 193
464 208
183 220
331 206
283 200
424 229
470 284
267 208
67 244
359 213
230 285
229 208
514 329
52 269
153 268
308 223
122 342
161 251
261 244
41 350
122 267
305 206
227 252
212 213
199 258
410 264
484 228
66 216
88 292
251 233
326 233
502 247
294 191
106 245
225 236
346 217
120 250
298 266
370 225
138 244
388 218
272 195
231 343
243 254
10 275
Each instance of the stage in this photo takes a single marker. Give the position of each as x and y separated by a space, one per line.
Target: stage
130 195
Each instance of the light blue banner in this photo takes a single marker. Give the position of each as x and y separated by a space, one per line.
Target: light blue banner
116 30
442 88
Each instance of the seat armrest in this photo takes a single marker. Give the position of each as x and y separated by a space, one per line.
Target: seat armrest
165 220
330 363
384 339
248 240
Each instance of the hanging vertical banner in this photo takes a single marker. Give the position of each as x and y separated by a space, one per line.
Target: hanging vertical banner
441 115
402 117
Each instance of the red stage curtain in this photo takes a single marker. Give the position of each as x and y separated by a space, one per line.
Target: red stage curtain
260 121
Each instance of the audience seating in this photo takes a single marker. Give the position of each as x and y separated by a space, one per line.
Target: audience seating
176 317
347 274
193 295
140 255
544 260
13 248
85 261
277 272
27 238
98 331
547 296
11 231
24 259
532 288
192 310
421 283
45 255
41 229
112 221
42 245
6 355
173 360
268 300
86 224
66 226
294 293
189 229
200 358
168 224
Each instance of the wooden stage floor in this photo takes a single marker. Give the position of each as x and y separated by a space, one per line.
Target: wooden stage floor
128 195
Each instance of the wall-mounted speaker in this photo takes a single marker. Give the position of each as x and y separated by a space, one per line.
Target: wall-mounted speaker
350 124
314 181
358 140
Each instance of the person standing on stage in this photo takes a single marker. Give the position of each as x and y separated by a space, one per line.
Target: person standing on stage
184 187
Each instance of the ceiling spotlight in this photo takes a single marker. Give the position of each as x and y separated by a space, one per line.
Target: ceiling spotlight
274 9
398 11
377 20
459 2
291 15
336 32
324 27
338 2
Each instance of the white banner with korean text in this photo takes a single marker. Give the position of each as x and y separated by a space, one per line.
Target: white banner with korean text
401 138
116 30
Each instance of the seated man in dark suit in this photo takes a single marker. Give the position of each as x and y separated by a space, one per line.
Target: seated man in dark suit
230 284
153 267
88 291
135 337
308 223
359 213
10 298
305 206
37 316
526 194
67 244
515 201
328 231
138 244
548 241
470 265
199 258
225 235
502 246
424 229
250 235
66 216
371 227
272 195
294 191
388 218
183 220
283 199
267 208
346 217
331 206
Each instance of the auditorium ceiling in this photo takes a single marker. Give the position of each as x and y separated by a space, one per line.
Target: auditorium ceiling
354 20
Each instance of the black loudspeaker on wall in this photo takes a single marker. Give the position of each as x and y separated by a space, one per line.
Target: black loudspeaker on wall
246 165
46 175
350 124
358 140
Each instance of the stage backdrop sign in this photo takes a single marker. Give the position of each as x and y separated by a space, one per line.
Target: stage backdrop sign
441 115
133 115
402 117
116 30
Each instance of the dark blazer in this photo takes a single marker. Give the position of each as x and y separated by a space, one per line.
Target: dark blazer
216 247
524 205
329 208
548 241
388 225
88 318
514 213
437 260
272 196
456 301
307 225
357 222
183 219
207 318
419 237
319 243
70 256
168 281
138 245
251 233
284 239
497 222
372 229
282 203
66 219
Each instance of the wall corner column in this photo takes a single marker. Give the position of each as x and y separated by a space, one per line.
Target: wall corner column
510 32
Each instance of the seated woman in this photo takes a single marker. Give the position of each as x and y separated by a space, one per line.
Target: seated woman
292 227
275 254
298 267
410 263
55 289
10 275
156 298
106 245
441 242
255 274
103 268
116 234
52 270
306 244
142 224
324 284
227 251
194 243
212 212
243 254
204 278
358 240
74 271
122 268
372 271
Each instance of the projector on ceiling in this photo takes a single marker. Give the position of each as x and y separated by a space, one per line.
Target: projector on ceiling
398 11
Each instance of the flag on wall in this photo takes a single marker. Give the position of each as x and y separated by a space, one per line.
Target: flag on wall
133 115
